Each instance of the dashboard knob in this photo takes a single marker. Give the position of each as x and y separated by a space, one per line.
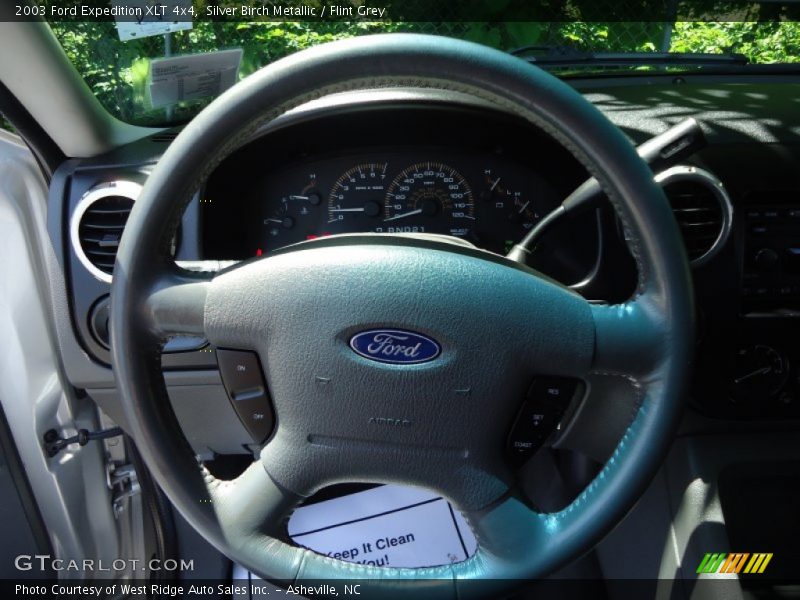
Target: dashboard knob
766 259
98 321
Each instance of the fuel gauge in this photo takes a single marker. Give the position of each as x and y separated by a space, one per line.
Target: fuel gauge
517 208
287 220
508 207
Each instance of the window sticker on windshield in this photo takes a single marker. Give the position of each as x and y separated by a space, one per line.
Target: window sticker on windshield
151 18
387 526
193 76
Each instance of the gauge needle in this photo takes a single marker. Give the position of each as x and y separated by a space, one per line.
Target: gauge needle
298 197
405 214
494 185
761 371
347 210
524 206
274 220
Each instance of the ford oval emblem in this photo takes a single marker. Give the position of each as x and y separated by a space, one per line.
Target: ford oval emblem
395 346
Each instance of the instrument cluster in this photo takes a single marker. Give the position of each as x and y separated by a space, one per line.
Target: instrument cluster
491 201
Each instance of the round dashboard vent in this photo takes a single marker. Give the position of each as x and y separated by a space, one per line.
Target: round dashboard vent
702 209
97 225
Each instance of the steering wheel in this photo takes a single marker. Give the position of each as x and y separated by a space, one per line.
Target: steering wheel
497 324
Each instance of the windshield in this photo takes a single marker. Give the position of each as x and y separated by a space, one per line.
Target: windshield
147 77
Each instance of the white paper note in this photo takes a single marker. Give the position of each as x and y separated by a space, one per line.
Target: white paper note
193 76
388 526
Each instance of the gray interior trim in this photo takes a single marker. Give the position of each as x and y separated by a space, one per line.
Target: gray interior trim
207 419
34 392
57 97
680 517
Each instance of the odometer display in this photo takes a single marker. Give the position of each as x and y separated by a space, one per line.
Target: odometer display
429 197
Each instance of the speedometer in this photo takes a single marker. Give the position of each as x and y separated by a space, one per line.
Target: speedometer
429 197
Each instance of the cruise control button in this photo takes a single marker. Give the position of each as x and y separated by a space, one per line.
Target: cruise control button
521 449
558 390
533 425
244 382
241 372
539 417
548 399
256 415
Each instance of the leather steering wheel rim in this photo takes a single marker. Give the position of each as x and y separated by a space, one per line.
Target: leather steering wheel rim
648 340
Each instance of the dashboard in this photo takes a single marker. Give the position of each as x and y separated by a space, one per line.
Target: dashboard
392 162
446 171
490 201
478 174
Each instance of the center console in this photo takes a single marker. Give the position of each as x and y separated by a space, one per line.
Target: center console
748 363
771 267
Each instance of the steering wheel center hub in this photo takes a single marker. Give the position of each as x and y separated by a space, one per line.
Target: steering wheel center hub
432 349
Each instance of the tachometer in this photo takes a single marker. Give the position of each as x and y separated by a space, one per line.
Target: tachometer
429 197
357 197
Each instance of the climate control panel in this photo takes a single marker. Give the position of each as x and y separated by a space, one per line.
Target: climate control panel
771 268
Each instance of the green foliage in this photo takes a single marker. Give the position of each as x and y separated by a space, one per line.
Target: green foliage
5 124
770 42
117 72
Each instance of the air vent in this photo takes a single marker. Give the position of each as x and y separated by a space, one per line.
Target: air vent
97 225
702 209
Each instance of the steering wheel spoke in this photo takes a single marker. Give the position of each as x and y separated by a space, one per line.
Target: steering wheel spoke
504 530
254 502
248 509
630 338
176 305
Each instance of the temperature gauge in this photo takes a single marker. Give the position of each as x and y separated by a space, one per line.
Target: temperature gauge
517 208
512 212
288 221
